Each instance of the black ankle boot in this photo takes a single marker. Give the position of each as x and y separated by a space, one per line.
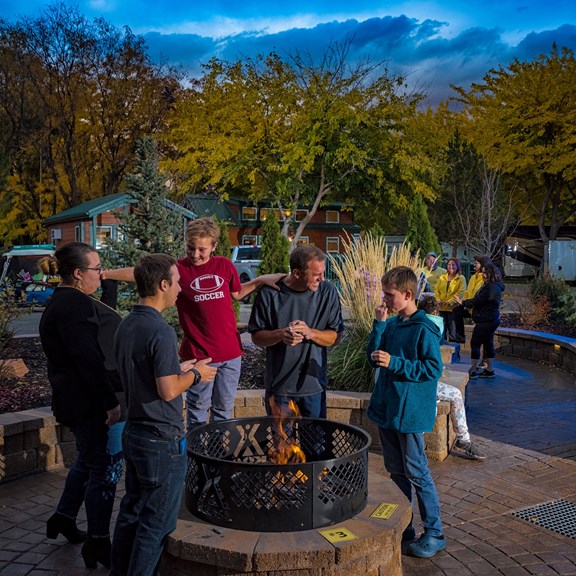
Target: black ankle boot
97 550
60 524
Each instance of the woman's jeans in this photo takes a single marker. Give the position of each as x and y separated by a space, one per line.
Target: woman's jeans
483 336
155 473
406 461
93 477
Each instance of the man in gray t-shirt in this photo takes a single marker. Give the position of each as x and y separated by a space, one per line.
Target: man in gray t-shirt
296 324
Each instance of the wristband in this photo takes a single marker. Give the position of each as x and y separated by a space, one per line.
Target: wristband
197 376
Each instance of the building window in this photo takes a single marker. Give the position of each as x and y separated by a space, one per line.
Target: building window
249 240
300 215
332 216
264 213
103 234
303 240
333 244
249 213
77 234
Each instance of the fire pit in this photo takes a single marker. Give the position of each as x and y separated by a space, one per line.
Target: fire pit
232 482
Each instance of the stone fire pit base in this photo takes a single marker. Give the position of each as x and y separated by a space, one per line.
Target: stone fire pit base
197 548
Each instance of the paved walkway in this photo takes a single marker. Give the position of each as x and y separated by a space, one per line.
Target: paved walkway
525 420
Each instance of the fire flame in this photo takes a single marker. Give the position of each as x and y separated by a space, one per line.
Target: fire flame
287 450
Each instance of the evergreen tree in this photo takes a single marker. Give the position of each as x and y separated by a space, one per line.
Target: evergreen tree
421 235
223 248
148 226
275 247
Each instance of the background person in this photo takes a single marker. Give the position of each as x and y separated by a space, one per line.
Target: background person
451 284
476 282
447 393
154 441
433 271
296 324
486 315
77 334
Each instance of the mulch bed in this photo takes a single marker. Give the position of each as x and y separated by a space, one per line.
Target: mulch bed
33 389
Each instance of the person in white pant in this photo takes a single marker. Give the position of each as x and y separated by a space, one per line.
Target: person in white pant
447 393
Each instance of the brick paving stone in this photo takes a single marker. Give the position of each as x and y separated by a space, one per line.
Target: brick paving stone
465 555
16 570
541 570
514 571
564 567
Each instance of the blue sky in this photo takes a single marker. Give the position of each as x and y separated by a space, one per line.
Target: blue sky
434 43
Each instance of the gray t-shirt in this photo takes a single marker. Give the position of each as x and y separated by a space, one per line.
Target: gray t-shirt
299 370
146 349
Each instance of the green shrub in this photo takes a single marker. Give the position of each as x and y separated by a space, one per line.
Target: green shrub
560 299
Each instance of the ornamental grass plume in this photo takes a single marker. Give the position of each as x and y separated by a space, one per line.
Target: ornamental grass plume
359 272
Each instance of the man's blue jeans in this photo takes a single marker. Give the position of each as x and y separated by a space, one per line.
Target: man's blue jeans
309 406
216 396
155 473
93 477
405 459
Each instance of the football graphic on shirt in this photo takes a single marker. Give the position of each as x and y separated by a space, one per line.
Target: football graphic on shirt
206 283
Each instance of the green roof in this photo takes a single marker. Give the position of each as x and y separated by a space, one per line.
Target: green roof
210 206
91 208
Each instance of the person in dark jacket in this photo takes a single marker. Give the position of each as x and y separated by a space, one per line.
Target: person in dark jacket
486 316
77 334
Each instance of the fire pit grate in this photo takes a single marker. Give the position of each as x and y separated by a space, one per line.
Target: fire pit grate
231 482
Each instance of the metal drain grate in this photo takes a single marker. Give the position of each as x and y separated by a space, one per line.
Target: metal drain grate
558 516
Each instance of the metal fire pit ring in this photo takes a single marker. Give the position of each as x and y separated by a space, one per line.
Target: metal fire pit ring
230 481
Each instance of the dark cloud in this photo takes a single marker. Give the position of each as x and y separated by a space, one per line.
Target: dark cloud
411 48
186 50
536 44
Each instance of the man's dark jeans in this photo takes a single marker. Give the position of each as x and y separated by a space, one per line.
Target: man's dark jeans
155 473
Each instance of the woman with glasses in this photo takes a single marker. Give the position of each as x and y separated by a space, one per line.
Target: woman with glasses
77 334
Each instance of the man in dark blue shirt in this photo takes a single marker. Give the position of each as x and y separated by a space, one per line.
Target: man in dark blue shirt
153 441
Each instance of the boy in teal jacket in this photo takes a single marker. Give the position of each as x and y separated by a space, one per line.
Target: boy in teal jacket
406 348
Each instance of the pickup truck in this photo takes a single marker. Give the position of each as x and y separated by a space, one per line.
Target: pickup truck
246 259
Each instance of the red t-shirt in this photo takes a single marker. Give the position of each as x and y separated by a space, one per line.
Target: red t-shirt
205 310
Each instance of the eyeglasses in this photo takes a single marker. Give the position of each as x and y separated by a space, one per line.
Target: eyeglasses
98 269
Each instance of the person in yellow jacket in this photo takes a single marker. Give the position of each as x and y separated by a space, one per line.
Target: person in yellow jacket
474 284
432 270
450 285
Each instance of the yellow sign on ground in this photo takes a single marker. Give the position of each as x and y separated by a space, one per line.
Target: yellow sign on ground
384 511
337 534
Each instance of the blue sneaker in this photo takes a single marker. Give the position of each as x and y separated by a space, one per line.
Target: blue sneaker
427 546
472 374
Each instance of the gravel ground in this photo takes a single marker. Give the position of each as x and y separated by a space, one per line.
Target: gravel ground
33 389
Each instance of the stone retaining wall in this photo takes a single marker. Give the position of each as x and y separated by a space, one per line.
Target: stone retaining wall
31 441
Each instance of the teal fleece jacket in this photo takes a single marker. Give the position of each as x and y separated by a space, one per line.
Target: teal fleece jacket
404 398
